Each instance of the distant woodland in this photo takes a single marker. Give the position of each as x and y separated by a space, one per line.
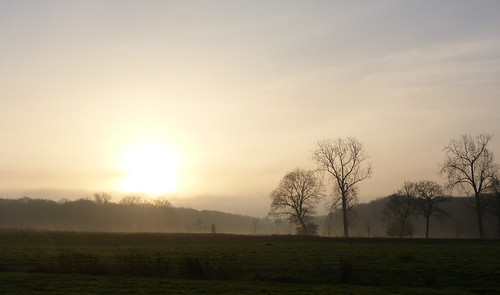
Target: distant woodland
368 219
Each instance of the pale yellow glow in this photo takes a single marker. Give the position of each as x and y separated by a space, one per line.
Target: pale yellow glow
151 168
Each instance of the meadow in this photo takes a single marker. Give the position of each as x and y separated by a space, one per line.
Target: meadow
41 262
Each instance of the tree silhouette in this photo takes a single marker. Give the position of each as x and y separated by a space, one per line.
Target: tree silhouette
469 166
132 200
295 197
400 207
345 161
102 198
429 195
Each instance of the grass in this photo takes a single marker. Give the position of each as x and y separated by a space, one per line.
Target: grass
107 263
36 283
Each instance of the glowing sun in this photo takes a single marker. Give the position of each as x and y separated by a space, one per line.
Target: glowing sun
151 169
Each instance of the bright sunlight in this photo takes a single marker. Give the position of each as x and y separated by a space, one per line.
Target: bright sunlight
151 168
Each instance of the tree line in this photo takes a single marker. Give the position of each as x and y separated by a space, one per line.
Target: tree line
129 214
468 168
89 214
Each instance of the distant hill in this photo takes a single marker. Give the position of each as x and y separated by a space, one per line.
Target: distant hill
88 215
369 221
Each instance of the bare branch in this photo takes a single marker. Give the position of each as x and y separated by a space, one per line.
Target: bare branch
296 196
469 166
345 161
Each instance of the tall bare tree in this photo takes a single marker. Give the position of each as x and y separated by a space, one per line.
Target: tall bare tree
400 207
469 166
345 161
429 195
295 197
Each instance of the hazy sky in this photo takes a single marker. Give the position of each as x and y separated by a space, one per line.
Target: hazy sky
222 98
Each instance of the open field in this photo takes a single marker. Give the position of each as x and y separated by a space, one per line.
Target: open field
36 262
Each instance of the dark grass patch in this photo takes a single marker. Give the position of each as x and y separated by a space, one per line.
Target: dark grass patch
37 283
280 259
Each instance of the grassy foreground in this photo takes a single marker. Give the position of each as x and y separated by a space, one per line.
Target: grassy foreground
33 262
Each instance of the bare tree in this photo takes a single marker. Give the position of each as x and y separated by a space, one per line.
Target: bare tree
132 200
401 206
469 166
255 225
161 202
102 198
429 195
345 161
295 197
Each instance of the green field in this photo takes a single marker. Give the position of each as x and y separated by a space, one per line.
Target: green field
35 262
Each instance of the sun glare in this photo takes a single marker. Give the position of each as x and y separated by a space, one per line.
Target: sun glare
151 169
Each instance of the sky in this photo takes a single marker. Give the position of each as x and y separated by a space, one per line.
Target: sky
211 103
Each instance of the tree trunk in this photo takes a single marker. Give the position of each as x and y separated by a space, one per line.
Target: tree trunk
402 229
344 213
479 216
303 225
427 227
